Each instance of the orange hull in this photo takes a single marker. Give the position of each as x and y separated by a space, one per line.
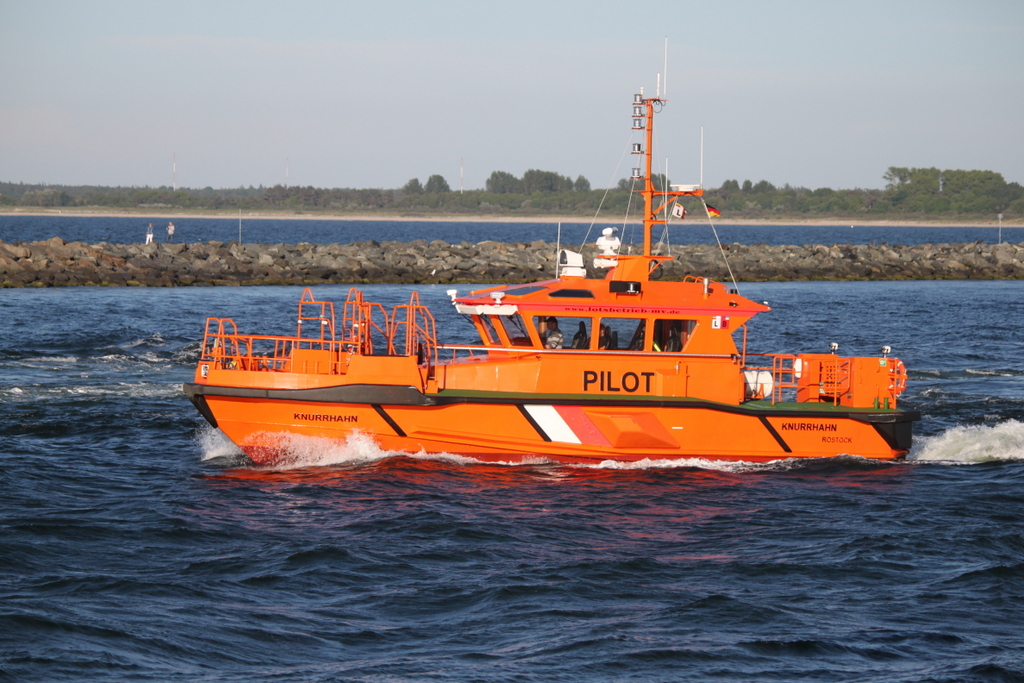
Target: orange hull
591 431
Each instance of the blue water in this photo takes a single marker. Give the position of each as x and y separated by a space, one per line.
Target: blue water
136 544
122 230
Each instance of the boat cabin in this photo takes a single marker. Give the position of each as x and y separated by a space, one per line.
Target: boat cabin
581 315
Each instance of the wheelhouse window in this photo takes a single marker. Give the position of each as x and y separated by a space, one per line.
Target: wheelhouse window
622 334
563 332
488 334
671 336
515 330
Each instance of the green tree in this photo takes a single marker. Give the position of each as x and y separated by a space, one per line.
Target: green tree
413 187
535 180
436 184
581 184
896 177
47 197
502 182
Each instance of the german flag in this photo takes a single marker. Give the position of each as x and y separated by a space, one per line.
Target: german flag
712 211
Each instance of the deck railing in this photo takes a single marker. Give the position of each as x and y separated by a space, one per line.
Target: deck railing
366 329
791 375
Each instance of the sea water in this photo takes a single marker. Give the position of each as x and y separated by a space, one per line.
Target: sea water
136 543
573 233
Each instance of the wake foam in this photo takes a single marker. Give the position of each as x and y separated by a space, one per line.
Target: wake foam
155 339
741 466
959 445
698 463
297 451
214 444
972 444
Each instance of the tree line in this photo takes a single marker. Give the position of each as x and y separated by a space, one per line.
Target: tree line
908 193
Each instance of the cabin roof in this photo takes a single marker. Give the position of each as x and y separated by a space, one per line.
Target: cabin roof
582 296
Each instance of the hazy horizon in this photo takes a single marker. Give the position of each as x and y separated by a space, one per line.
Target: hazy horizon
346 95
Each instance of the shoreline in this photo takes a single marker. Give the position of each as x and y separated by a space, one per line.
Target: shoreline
462 218
55 262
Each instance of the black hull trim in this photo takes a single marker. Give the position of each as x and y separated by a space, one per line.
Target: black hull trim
775 434
199 401
894 427
390 420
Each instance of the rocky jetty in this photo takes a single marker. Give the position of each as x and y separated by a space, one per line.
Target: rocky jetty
55 262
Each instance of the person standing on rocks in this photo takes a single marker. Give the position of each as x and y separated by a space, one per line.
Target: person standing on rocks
170 231
149 234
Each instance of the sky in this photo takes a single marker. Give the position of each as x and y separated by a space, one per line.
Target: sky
358 94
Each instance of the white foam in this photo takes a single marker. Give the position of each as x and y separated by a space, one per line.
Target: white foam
706 464
215 444
988 373
145 359
296 451
136 390
972 444
358 448
155 339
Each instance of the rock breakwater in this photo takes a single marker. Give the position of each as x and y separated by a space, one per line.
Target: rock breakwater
55 262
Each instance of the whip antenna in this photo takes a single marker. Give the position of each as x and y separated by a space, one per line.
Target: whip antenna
702 157
720 247
666 66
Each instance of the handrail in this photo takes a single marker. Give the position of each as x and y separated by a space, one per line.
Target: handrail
417 323
323 319
359 321
224 346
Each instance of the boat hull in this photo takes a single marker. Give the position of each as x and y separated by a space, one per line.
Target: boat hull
511 428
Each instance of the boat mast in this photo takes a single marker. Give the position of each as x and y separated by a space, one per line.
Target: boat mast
643 119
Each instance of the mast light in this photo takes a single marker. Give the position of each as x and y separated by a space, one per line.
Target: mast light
637 148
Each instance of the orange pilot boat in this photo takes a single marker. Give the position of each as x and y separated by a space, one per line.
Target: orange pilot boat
620 367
